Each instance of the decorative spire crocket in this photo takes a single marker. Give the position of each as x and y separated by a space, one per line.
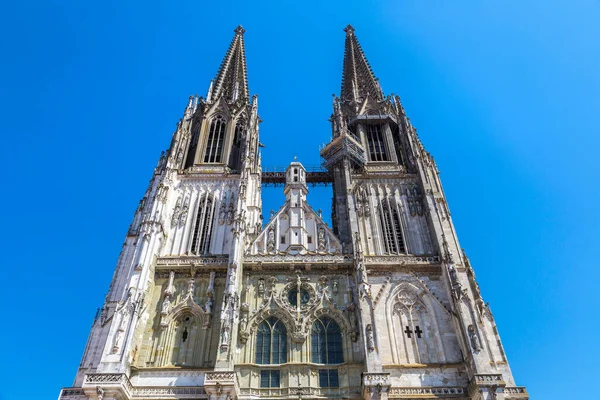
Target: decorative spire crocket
231 80
358 80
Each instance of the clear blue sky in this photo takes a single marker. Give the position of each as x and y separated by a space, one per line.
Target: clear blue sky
504 94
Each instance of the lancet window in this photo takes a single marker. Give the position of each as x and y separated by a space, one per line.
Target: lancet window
376 142
271 342
234 157
392 229
203 226
216 137
326 342
193 144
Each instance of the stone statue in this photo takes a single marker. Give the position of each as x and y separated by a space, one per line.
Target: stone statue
222 213
166 305
230 214
453 275
475 343
261 287
321 238
370 338
271 240
334 286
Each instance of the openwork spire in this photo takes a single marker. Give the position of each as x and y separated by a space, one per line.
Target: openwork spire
231 80
358 80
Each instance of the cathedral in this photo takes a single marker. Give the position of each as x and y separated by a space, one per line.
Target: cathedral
212 299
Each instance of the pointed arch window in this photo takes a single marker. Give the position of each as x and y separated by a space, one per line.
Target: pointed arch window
376 142
193 144
202 232
326 342
236 145
216 137
271 342
392 229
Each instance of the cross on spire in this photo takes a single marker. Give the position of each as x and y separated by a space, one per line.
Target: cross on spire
358 79
231 80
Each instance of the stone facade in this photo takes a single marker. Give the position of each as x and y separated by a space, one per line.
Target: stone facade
210 301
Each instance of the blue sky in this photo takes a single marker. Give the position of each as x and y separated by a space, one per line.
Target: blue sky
504 94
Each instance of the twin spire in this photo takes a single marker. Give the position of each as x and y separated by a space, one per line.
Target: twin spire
358 80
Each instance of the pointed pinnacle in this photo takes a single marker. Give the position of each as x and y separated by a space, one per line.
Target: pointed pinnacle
239 30
349 30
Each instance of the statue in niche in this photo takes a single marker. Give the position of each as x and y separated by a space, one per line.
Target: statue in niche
261 287
370 338
118 340
244 317
225 335
475 343
222 213
334 286
208 305
453 276
230 214
100 392
191 284
271 240
166 305
321 238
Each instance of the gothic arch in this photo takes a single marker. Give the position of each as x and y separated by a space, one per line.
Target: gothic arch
412 324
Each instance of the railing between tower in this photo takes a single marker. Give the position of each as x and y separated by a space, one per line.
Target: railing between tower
315 175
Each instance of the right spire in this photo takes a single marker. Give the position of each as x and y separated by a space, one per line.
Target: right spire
358 79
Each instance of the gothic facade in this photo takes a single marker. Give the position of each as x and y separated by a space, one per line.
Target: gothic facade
211 301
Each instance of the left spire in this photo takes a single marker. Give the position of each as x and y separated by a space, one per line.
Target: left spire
231 80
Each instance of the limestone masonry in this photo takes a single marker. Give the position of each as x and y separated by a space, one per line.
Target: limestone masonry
211 301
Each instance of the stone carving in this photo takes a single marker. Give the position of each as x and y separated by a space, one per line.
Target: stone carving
474 338
321 238
184 212
334 286
99 393
271 240
415 205
222 213
370 338
261 287
176 213
120 333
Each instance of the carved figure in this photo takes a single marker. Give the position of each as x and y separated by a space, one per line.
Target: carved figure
222 213
370 338
165 306
475 343
334 286
453 275
230 214
100 392
261 287
321 238
271 240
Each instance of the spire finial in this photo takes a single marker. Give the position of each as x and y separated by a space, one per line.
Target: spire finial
239 30
349 30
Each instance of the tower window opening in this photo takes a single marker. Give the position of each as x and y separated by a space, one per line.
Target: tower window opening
283 239
375 140
214 144
193 144
203 227
392 230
